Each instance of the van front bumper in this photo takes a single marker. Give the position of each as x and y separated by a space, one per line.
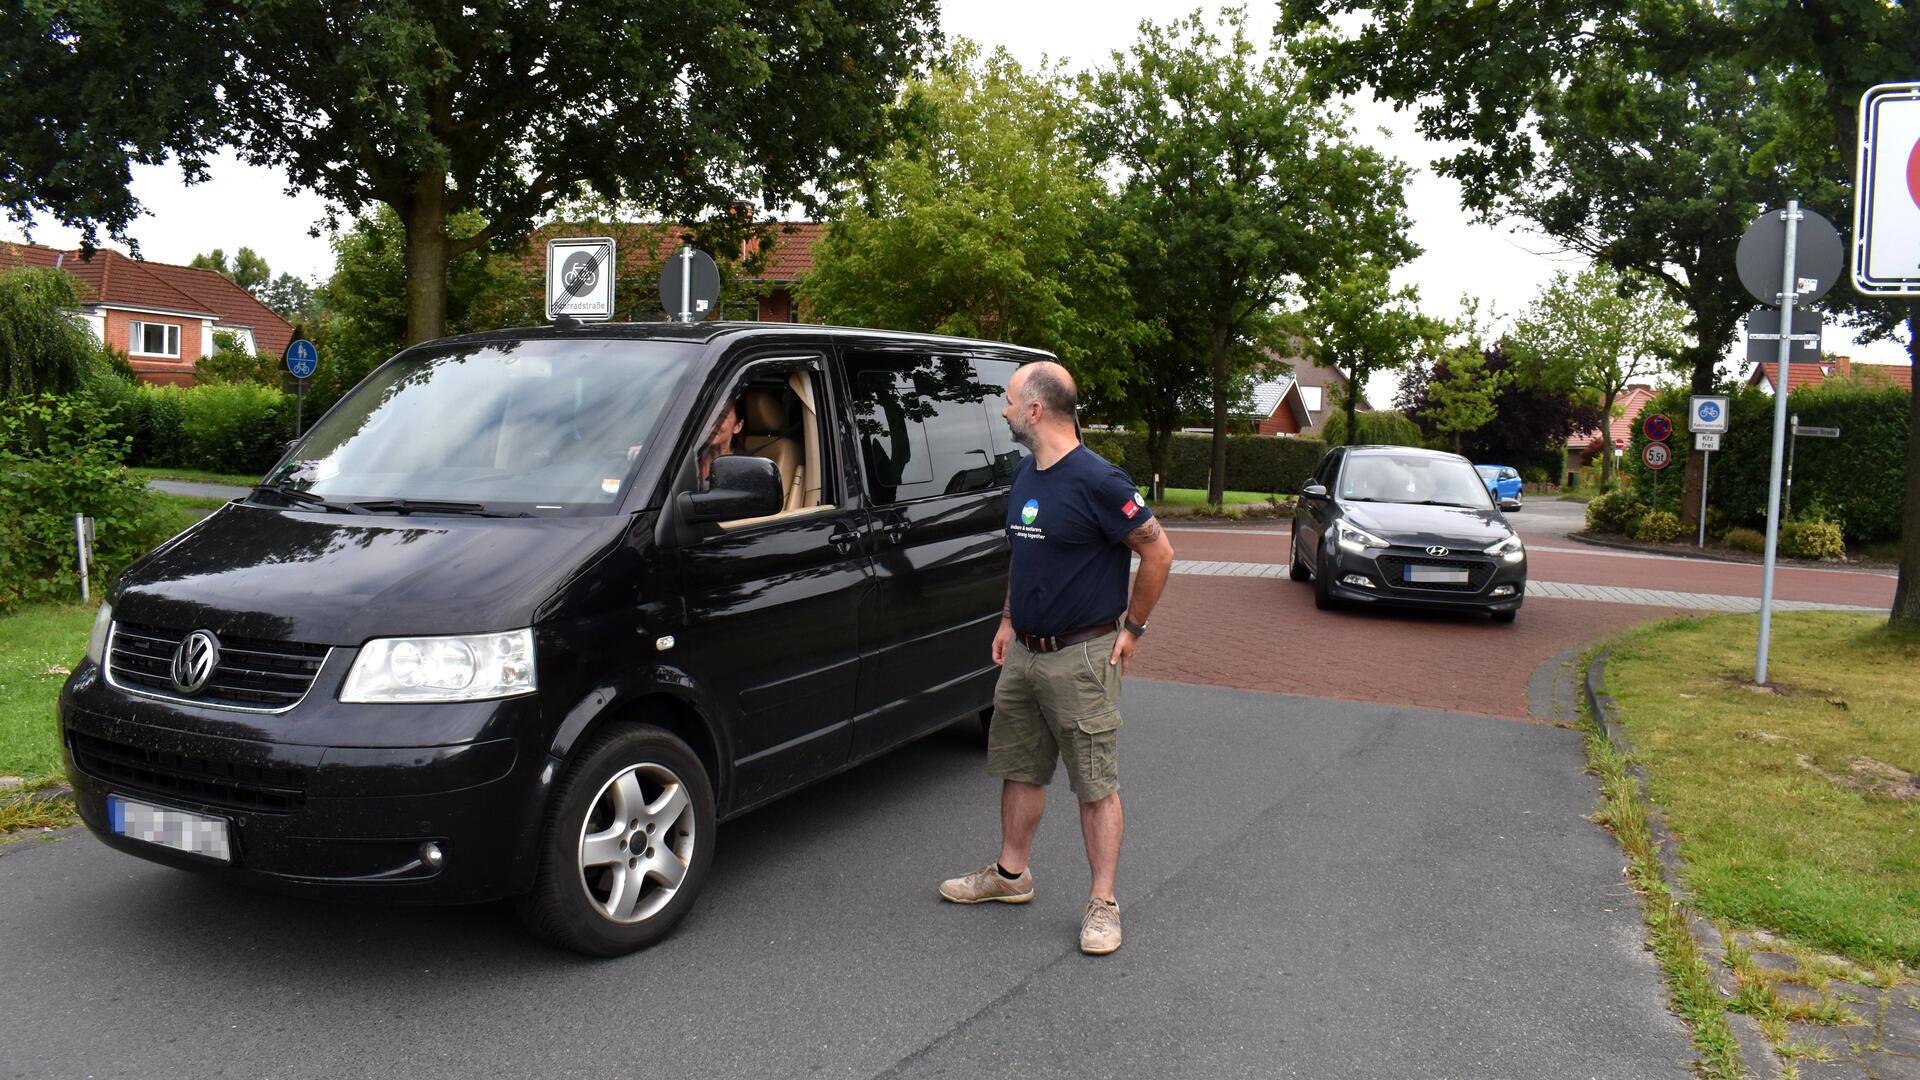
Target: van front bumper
344 822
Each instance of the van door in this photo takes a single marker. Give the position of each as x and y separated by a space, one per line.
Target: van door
936 479
772 603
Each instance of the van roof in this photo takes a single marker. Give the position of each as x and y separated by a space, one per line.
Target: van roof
706 332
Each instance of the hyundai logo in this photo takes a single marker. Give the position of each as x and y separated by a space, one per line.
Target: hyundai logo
1436 551
194 661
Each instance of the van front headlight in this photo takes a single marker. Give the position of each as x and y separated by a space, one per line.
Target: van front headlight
470 667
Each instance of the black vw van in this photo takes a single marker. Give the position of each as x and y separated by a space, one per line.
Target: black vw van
497 627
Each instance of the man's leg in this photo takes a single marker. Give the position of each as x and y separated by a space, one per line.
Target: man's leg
1101 824
1021 805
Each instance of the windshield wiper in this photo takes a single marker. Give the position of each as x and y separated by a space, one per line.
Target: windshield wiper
1437 502
431 506
304 498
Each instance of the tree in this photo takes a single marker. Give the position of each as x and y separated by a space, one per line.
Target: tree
992 211
445 112
1245 192
1601 331
43 349
248 270
291 298
1364 325
1533 416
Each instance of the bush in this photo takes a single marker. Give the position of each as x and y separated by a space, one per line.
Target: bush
1657 527
1746 539
1814 539
1278 466
1377 427
232 364
158 427
60 457
42 349
236 427
1615 512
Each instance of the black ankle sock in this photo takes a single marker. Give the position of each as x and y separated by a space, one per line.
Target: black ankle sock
1006 873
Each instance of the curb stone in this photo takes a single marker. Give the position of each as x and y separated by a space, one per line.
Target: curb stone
1873 1057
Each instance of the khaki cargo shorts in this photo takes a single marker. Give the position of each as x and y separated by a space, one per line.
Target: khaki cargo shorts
1050 707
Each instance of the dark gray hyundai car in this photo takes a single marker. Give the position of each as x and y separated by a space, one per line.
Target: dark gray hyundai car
1401 526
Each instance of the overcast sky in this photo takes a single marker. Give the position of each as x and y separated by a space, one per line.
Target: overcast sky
247 206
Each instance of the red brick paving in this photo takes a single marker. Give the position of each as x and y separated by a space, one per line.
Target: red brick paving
1265 634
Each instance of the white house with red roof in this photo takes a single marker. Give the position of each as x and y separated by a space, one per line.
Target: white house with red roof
162 316
1767 376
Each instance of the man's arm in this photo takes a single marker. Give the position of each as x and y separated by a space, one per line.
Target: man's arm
1150 543
1005 633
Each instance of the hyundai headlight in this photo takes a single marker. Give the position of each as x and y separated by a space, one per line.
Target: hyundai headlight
97 640
1355 539
471 667
1509 550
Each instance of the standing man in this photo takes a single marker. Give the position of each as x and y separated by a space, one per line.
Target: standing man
1066 633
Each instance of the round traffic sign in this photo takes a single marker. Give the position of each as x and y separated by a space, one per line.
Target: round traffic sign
1658 427
1709 411
696 273
1818 257
1656 455
302 358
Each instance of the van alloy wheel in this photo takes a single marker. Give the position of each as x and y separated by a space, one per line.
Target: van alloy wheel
637 843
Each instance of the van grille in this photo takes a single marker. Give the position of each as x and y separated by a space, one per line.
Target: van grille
265 676
195 777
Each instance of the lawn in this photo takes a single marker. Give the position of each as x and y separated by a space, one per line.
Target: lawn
197 476
38 646
1194 498
1797 811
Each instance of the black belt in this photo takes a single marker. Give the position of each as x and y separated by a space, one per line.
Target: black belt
1036 643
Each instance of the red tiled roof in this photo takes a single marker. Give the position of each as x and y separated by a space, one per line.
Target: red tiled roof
1627 408
1811 374
114 280
1798 375
1900 375
791 257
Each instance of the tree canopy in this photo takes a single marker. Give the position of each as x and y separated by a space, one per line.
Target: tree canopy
1364 324
43 350
488 110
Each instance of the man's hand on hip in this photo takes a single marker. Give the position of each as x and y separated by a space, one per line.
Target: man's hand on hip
1123 645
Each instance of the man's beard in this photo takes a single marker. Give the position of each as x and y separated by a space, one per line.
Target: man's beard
1023 436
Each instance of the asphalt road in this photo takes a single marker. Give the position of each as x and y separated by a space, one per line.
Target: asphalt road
1311 889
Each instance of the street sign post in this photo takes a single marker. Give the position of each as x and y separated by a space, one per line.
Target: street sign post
1706 420
1763 336
689 285
1886 207
302 360
580 274
1817 432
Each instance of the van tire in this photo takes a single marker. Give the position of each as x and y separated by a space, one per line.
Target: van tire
580 899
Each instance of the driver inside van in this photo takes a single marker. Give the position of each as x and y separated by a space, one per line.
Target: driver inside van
720 443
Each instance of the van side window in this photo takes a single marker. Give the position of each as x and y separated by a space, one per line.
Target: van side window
921 424
994 376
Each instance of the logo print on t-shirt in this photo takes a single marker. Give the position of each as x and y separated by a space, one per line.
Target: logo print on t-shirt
1132 507
1030 511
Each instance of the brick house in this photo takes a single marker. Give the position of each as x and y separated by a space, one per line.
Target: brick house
1299 404
163 317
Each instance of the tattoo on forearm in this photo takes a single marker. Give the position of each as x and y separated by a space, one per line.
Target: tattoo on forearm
1145 536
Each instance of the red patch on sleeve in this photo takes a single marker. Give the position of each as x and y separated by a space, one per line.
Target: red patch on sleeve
1131 508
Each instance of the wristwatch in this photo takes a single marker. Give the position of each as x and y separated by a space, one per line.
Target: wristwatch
1137 629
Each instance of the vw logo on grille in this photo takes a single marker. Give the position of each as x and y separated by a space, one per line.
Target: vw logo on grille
1436 550
194 661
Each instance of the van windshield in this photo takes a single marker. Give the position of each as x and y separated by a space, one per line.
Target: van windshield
543 427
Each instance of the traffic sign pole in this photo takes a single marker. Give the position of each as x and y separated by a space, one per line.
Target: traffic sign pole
1788 291
1706 463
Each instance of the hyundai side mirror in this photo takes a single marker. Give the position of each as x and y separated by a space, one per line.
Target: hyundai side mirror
741 486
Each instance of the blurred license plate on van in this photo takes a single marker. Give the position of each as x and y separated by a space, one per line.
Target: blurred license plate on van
195 834
1437 575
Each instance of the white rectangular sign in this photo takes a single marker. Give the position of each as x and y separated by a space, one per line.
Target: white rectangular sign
1706 412
1706 440
580 273
1886 213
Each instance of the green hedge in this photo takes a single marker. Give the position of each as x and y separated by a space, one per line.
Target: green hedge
1254 462
1857 480
218 427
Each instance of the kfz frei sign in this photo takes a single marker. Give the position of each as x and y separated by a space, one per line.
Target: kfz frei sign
580 274
1886 214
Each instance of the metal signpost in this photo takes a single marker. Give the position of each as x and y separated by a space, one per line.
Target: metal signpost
1793 444
1806 249
1706 420
580 273
689 285
302 360
1657 455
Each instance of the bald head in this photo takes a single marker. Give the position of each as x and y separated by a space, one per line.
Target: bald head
1049 384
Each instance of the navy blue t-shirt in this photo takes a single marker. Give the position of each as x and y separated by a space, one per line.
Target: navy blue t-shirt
1068 525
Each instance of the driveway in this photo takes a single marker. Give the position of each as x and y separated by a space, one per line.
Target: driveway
1312 888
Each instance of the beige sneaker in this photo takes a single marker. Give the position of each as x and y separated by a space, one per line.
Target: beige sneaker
1100 928
986 884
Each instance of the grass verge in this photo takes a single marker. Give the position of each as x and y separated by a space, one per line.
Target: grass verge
196 476
34 812
1691 988
1797 805
1195 498
38 647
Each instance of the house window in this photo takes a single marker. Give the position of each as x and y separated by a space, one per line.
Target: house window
154 339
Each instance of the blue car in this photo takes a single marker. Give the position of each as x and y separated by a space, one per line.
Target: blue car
1503 483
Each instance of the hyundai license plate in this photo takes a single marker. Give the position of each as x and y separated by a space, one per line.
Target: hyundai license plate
1436 575
195 834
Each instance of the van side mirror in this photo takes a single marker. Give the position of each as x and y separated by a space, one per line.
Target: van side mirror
1314 491
742 486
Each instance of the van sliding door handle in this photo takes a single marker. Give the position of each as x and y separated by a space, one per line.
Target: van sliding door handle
895 530
843 540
